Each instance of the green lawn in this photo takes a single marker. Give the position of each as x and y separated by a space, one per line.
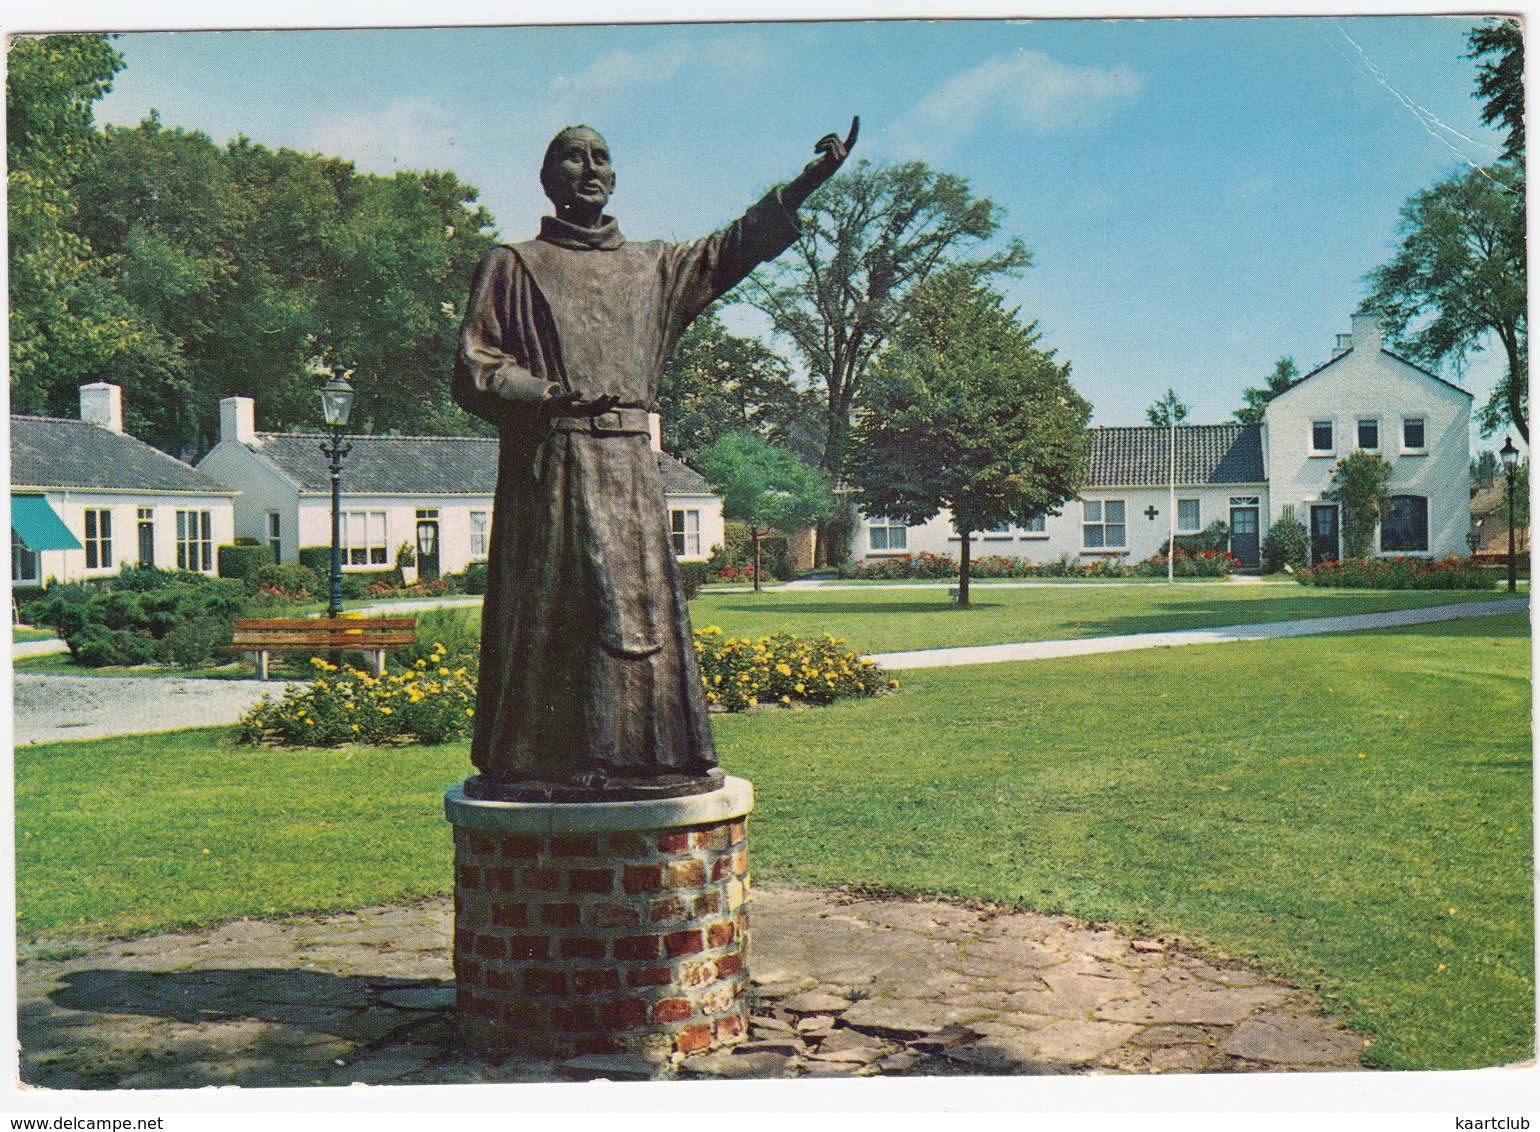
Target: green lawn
19 635
879 620
1155 790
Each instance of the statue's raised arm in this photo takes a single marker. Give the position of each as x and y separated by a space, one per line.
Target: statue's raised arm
831 155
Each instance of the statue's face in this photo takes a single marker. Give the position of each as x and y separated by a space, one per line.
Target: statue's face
580 173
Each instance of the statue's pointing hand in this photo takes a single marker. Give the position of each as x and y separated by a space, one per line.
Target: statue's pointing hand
831 155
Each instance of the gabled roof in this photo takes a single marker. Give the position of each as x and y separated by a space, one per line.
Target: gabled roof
418 465
1205 454
1413 365
681 479
49 452
387 465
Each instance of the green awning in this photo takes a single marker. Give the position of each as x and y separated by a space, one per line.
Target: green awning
39 525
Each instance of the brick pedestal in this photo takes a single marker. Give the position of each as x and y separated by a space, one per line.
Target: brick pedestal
613 927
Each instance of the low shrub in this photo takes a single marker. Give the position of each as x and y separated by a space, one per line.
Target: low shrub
476 578
291 578
692 575
741 673
318 558
1189 564
244 562
96 646
938 567
124 624
1215 536
1286 544
426 702
1448 573
738 575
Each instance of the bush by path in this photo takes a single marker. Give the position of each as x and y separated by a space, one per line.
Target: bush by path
1447 573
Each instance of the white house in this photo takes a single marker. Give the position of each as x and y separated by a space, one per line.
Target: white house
1246 475
88 499
433 492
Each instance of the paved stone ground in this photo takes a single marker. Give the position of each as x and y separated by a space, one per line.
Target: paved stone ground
847 986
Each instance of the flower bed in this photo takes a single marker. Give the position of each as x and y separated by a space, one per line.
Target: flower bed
426 703
385 590
1190 564
737 575
938 567
1448 573
740 673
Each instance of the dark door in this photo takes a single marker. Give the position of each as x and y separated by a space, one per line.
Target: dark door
1324 545
427 549
1245 538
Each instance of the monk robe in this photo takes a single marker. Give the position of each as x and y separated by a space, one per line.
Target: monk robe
588 670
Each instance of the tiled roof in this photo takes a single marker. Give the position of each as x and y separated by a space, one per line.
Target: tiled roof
1205 454
55 452
681 479
387 465
418 465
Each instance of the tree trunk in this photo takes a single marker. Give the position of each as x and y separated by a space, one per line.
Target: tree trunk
754 535
963 568
1515 386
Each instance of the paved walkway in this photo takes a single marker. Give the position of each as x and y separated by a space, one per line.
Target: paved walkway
847 987
1040 650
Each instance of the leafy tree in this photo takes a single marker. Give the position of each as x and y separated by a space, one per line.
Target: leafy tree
1285 376
66 318
1484 466
966 411
1169 410
717 383
1516 488
763 487
870 236
1458 278
1360 485
1502 79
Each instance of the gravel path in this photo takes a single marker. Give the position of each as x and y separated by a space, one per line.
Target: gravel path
50 708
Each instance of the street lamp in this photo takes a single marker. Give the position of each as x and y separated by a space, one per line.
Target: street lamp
1510 455
336 404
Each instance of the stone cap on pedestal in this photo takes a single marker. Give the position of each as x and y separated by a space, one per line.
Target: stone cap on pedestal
734 799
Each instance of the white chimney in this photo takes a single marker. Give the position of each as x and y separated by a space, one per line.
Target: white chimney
655 426
1344 344
1367 333
102 404
237 420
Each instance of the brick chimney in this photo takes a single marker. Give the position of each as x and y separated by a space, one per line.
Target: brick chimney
102 404
237 420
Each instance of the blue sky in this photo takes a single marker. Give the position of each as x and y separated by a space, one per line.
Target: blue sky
1201 196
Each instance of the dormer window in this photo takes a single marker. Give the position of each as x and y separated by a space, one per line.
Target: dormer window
1369 435
1321 441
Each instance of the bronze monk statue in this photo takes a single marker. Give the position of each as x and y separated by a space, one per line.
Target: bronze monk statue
589 683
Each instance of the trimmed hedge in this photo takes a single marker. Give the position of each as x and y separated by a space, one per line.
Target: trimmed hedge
692 576
244 562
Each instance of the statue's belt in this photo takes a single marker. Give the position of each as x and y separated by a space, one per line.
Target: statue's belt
625 421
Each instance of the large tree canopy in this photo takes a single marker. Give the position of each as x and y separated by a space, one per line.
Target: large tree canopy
1458 281
186 271
717 383
1501 84
870 236
764 487
966 411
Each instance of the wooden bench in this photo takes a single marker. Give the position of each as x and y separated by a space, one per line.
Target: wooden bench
263 635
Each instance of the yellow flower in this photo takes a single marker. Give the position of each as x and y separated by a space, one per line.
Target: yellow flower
470 711
801 687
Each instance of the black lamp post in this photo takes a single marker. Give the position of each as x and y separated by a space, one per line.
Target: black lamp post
1510 455
336 404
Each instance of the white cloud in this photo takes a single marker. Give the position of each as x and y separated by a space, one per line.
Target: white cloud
624 72
410 133
1025 88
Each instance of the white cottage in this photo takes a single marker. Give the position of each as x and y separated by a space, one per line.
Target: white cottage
87 499
1246 475
434 492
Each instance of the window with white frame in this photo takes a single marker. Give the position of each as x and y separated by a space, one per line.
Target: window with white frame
1321 438
1189 515
363 538
888 534
1037 525
98 540
478 534
998 534
684 526
24 562
1369 435
1103 524
1414 434
194 540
